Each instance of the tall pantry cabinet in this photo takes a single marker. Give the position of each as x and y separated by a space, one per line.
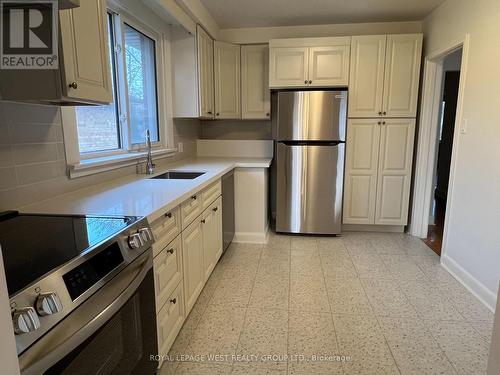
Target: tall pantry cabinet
383 89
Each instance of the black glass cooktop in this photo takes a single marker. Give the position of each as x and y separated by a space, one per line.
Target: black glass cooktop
33 245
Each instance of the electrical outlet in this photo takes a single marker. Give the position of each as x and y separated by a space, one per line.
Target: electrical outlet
180 147
463 129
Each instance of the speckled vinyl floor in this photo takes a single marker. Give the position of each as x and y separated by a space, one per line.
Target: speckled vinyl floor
363 303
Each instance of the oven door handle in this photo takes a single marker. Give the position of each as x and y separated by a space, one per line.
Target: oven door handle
86 319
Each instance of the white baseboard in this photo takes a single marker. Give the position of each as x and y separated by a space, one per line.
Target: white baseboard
251 237
373 228
488 298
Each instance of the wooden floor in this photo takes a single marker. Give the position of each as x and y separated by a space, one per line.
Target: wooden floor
435 233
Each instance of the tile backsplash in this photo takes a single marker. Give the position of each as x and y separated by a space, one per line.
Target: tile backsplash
32 157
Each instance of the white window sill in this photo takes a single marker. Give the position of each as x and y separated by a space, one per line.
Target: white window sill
108 163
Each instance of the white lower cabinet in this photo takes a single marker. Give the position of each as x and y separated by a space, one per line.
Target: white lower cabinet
167 267
378 171
212 236
170 319
192 251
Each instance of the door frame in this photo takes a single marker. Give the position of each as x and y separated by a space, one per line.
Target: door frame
427 138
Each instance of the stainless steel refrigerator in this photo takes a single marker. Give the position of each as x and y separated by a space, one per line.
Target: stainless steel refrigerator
310 148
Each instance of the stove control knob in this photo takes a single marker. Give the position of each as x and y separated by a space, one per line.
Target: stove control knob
146 234
25 320
135 241
48 304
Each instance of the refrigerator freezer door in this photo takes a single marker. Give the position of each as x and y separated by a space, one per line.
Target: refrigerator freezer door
309 188
312 115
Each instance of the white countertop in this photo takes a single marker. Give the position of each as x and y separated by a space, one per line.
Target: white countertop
139 195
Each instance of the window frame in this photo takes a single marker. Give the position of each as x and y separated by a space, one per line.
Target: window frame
127 151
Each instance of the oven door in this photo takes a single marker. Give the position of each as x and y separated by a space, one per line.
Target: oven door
113 332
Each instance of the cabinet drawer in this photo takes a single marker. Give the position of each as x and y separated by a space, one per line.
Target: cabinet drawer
210 194
167 266
169 320
165 229
190 209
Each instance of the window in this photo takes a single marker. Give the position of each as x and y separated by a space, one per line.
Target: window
121 126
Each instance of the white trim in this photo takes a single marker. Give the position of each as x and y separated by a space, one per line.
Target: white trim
252 237
427 138
487 297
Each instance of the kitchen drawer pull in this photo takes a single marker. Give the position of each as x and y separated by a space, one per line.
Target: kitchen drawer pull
173 300
169 215
215 209
170 251
203 221
193 197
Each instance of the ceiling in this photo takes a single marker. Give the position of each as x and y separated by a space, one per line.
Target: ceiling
257 13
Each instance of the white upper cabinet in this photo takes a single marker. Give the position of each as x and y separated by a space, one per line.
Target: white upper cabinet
329 66
394 171
402 72
84 73
288 67
255 93
227 80
366 80
309 62
384 75
360 182
205 52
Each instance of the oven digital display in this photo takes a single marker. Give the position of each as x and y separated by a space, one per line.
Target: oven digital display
87 274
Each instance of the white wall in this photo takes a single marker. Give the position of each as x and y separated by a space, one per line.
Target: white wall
473 246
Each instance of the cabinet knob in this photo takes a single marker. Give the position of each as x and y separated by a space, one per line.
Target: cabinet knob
193 197
267 114
73 85
384 113
305 81
380 113
379 123
169 215
203 221
170 251
215 209
383 122
217 114
310 81
173 300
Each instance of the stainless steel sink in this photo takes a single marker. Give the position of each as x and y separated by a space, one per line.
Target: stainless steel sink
179 175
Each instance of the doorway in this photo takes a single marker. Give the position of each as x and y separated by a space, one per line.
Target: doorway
438 141
444 144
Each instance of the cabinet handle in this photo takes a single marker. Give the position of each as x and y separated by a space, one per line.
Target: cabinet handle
310 81
169 215
209 112
380 113
73 85
173 300
170 251
217 114
379 123
215 209
193 197
383 122
267 114
305 81
203 221
384 113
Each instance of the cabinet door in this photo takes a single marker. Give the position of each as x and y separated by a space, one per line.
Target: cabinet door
360 182
227 80
402 71
85 55
212 236
255 93
169 320
192 250
288 67
366 80
394 171
205 46
329 66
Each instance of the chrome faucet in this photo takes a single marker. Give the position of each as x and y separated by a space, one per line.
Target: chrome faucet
150 166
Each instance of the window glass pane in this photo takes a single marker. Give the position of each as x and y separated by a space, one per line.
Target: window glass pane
141 79
98 128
